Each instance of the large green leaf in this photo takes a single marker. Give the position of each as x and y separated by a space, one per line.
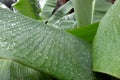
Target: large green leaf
28 8
41 47
106 46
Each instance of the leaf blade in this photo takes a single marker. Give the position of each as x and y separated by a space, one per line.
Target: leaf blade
106 43
44 48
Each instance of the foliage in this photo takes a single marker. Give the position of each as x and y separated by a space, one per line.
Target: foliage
106 43
37 44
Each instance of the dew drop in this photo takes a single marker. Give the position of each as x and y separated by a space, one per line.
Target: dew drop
0 38
46 57
19 28
13 24
39 54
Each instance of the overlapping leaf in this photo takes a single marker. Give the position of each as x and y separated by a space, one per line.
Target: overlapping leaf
61 12
48 9
101 7
11 70
24 41
87 33
28 8
106 47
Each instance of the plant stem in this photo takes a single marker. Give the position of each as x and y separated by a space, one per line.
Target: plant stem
83 11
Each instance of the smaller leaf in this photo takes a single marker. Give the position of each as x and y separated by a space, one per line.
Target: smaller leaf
86 33
61 12
101 7
48 9
66 23
28 8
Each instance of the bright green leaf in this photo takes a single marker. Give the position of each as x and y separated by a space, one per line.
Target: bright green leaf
28 8
86 33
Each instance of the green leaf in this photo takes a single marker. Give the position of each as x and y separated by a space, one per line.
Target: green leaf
86 33
28 8
101 7
83 11
48 9
43 48
61 12
106 46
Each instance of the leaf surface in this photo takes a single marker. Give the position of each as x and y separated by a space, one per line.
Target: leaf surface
106 46
43 48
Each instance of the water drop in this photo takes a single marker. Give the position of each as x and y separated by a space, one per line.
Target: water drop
0 38
13 24
19 28
39 54
13 43
46 57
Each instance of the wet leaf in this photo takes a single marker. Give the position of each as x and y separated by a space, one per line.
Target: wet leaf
43 48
